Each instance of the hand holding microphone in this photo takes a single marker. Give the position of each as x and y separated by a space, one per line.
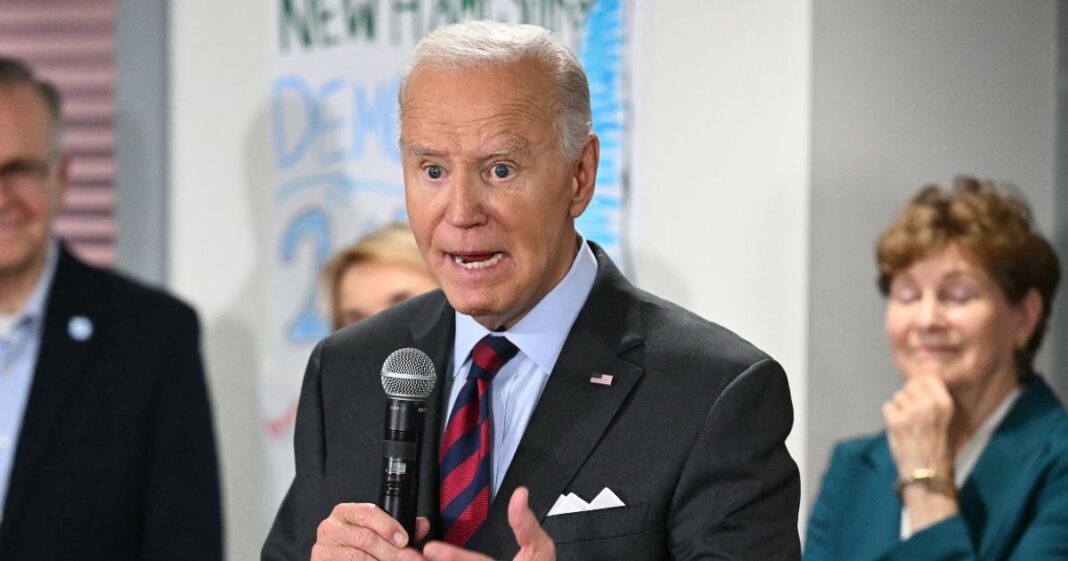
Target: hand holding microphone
381 531
408 379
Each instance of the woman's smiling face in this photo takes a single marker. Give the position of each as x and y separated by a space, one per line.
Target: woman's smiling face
947 316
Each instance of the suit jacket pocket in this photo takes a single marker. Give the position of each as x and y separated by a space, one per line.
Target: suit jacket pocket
596 524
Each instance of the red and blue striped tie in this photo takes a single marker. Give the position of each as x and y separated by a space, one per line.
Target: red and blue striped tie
466 443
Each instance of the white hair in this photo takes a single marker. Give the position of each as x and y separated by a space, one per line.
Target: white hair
479 43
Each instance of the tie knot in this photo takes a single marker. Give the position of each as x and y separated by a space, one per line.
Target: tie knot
490 354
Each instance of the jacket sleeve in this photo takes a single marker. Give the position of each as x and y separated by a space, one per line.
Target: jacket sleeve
293 533
183 518
822 524
738 494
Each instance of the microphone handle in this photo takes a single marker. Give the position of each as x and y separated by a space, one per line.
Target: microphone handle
402 442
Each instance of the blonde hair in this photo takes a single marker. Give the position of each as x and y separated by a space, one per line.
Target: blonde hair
393 244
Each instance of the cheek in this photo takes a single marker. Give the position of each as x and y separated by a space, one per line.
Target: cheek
31 209
896 325
979 327
419 220
990 338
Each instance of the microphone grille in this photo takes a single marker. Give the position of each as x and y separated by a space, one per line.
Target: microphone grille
408 374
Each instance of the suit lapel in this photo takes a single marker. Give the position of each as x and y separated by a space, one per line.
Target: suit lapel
60 362
555 445
433 335
875 526
1001 483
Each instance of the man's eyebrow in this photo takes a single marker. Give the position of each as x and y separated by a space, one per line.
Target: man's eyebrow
511 149
423 152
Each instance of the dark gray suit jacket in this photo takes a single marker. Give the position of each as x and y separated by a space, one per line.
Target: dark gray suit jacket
690 435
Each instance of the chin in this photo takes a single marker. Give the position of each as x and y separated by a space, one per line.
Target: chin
919 370
470 306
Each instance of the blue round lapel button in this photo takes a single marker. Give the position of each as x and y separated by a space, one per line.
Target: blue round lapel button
80 328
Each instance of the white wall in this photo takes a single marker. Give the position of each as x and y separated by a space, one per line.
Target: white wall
218 93
721 165
721 215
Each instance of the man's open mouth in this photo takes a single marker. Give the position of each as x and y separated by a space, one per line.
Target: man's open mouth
477 260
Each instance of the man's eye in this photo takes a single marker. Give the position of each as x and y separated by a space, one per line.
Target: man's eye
501 171
22 171
434 172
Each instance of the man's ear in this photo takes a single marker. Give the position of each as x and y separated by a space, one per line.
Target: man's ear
62 176
585 176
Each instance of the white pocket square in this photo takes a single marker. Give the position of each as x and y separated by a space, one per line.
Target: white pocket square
571 502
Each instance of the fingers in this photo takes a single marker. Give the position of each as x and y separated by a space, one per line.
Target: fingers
521 518
922 402
322 552
422 527
441 551
935 389
359 531
534 543
918 418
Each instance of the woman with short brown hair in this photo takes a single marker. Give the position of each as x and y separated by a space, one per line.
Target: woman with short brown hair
974 460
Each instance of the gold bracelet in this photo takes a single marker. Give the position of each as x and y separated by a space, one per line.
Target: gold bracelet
929 478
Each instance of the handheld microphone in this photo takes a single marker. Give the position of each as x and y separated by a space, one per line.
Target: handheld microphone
408 378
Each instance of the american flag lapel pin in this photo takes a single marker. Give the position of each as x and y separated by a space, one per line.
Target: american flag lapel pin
602 379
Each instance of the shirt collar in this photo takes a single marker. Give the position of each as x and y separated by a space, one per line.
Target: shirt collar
34 308
969 454
540 335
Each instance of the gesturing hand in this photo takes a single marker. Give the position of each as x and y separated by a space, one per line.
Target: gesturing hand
534 543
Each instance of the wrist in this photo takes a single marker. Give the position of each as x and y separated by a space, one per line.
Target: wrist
924 482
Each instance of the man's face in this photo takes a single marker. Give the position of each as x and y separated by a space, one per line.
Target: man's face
490 199
32 180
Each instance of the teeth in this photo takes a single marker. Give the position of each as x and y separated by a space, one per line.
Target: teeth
478 264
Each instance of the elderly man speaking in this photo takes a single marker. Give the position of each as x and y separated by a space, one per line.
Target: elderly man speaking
559 382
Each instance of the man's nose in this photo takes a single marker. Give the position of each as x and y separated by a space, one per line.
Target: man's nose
465 200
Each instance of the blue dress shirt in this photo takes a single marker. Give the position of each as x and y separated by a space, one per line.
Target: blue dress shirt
18 358
540 336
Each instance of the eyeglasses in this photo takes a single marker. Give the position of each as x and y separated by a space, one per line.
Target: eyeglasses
25 178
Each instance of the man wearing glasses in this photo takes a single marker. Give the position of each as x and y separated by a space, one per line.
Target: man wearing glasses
106 446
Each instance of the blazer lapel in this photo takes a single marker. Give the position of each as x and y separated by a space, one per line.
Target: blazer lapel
555 445
876 525
60 361
997 489
434 336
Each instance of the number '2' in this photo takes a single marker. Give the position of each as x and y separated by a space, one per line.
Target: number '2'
308 326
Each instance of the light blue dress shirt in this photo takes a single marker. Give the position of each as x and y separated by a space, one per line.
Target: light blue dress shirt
18 358
540 336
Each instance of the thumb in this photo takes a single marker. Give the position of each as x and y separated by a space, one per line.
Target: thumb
523 522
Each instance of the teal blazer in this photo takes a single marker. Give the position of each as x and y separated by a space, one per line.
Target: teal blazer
1014 506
